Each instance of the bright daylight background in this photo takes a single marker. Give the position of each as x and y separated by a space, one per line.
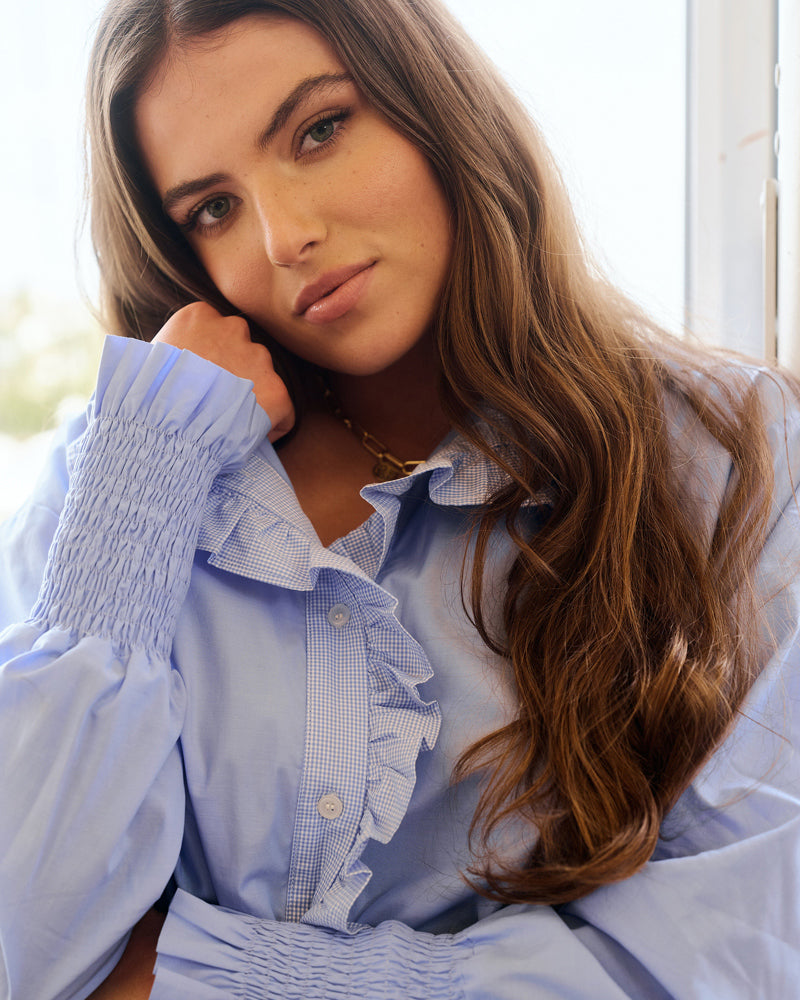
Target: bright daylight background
605 81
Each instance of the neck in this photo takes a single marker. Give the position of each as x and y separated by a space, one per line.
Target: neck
399 405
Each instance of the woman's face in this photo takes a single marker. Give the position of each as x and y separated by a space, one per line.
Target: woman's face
309 212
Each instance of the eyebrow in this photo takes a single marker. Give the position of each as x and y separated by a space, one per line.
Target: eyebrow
189 188
307 88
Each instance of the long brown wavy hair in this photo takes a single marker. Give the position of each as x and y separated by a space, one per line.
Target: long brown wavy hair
630 630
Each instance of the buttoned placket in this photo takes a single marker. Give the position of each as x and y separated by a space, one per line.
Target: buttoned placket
333 783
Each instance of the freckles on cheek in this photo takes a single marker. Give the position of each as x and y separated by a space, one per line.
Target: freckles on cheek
391 185
240 283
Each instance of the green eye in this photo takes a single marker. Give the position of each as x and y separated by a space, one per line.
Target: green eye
320 136
322 131
210 214
218 208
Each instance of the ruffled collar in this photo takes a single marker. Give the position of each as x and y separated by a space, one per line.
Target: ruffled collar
253 524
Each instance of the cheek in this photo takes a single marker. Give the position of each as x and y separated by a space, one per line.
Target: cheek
419 202
398 187
239 273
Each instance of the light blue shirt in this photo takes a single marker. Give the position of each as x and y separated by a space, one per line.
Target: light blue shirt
203 689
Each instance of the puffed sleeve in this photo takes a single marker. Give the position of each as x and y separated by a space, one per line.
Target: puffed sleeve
714 913
91 787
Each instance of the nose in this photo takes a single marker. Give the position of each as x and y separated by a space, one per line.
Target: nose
291 223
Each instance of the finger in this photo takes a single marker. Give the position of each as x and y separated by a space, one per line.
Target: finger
282 427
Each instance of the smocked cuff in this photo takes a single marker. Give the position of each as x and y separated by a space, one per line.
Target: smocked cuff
180 393
208 953
163 424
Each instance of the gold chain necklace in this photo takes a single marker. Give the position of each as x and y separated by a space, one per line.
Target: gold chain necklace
387 466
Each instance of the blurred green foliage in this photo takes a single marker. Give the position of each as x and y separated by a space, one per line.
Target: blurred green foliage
49 354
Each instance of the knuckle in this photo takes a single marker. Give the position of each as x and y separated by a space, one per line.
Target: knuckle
195 310
238 326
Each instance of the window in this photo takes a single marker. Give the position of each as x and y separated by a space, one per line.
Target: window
731 128
606 83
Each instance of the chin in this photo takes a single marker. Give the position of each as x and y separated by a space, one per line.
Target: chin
362 364
362 349
362 369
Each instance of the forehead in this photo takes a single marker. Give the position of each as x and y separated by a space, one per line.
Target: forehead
205 91
258 40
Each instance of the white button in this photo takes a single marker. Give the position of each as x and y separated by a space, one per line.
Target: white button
330 806
339 615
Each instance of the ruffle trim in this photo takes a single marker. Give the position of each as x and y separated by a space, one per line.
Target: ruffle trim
180 394
254 541
463 476
400 725
252 515
208 953
254 507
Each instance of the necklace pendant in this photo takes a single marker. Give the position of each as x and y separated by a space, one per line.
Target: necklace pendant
384 472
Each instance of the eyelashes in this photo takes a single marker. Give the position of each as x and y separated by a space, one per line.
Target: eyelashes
335 122
218 207
318 137
193 220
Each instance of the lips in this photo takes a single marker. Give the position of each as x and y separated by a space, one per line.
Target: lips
333 293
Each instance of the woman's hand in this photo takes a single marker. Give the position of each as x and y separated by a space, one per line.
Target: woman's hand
132 979
225 340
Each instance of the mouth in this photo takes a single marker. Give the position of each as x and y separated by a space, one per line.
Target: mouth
334 293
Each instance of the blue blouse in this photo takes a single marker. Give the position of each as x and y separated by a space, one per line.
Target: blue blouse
202 689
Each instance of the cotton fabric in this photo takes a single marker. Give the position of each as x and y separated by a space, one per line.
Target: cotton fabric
196 688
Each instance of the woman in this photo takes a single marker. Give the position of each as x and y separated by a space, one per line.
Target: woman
508 715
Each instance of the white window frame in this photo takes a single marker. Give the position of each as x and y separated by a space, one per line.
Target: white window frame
787 77
731 170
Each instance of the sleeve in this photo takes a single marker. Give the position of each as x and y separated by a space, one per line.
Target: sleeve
91 785
715 913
